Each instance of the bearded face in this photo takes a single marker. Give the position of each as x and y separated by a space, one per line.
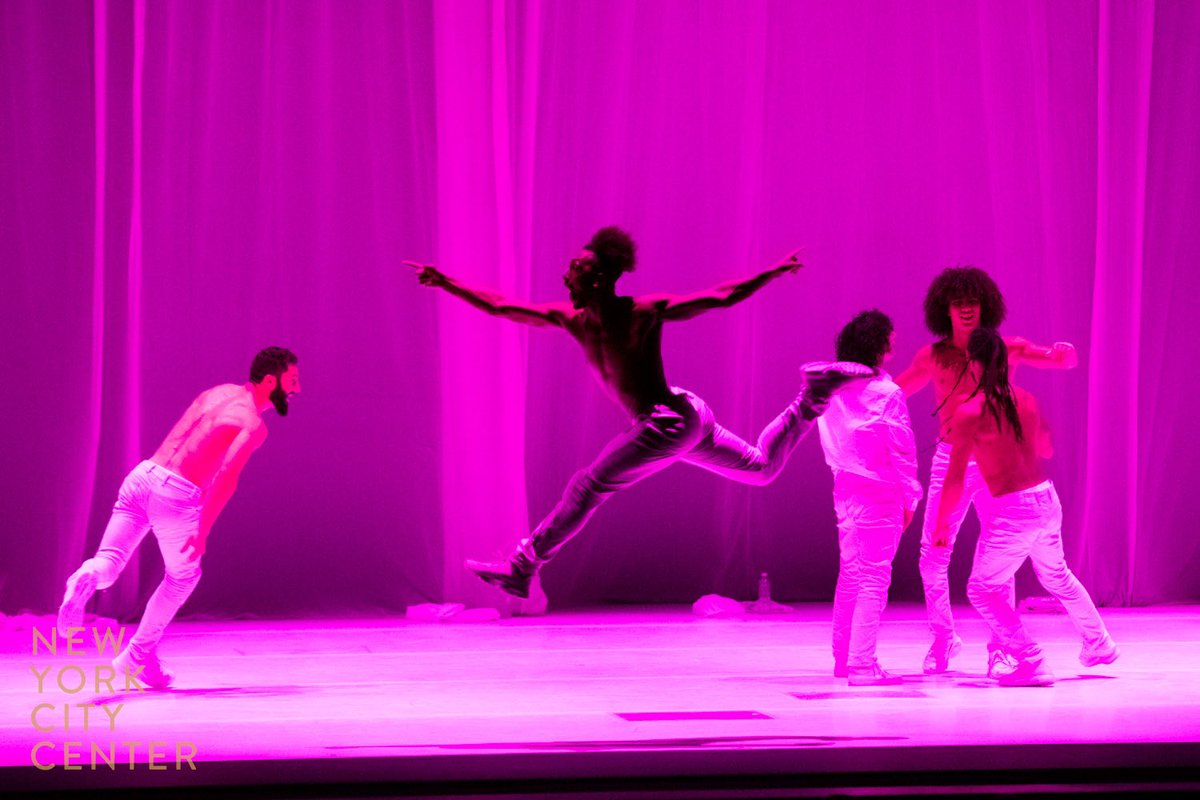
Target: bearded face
287 385
279 399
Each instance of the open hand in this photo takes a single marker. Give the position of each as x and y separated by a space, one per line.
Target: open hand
195 543
427 274
791 262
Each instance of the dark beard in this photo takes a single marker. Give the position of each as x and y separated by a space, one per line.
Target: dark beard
279 399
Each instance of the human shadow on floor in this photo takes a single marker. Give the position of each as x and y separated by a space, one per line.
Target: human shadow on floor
214 691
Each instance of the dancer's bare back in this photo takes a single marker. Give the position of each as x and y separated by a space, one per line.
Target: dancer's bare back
219 430
1007 465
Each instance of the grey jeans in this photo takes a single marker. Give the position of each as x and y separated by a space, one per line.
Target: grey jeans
683 429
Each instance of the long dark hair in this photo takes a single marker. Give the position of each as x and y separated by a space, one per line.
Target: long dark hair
987 348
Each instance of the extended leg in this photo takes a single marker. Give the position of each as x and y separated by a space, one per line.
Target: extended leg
1006 541
652 443
1050 565
126 528
729 456
934 562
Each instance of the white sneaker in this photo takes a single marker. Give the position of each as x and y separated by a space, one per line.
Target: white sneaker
148 670
1001 664
1028 673
80 588
873 675
1106 653
937 660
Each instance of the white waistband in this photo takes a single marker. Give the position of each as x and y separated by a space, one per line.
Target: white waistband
156 467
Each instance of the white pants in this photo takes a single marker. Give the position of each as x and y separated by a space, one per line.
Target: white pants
1027 524
152 497
870 517
935 561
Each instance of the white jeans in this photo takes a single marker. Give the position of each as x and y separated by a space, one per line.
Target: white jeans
870 517
1027 524
935 561
152 497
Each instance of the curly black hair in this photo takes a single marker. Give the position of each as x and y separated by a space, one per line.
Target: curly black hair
987 348
614 249
271 361
865 339
962 283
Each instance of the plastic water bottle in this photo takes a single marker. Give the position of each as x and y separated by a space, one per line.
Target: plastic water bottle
764 587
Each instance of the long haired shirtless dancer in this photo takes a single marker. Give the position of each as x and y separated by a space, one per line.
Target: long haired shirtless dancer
1000 428
621 339
178 493
960 300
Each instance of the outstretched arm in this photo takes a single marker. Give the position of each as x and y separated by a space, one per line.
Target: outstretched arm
917 376
680 307
492 303
1060 355
223 485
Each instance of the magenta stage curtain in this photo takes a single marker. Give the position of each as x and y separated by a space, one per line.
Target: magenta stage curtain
184 183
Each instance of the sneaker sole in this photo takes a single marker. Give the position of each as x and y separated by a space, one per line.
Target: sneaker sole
70 613
817 368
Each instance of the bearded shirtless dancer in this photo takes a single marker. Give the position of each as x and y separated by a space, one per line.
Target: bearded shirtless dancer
179 493
621 339
959 300
999 425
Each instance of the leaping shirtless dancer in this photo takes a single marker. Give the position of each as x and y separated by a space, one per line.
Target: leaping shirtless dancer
179 493
621 339
959 300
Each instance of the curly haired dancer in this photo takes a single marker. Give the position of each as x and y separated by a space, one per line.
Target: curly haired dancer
960 300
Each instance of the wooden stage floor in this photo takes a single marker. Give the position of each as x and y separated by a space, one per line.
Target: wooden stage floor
612 702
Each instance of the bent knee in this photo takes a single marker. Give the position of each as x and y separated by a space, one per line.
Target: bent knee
933 560
1055 578
185 576
980 589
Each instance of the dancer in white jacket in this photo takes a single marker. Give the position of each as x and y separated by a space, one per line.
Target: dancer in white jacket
868 442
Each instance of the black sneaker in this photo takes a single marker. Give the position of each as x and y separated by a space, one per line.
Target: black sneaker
513 575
